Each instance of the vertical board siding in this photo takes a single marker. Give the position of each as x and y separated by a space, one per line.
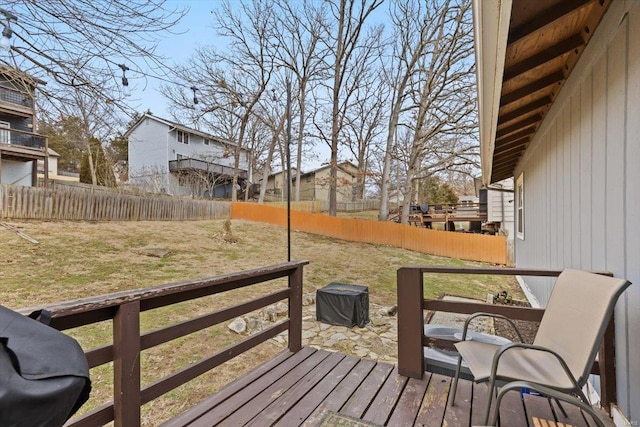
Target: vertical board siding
582 183
475 247
632 210
77 204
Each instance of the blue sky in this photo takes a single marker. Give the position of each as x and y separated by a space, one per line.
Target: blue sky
194 30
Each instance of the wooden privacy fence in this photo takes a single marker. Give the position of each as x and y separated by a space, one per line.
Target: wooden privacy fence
18 202
305 206
475 247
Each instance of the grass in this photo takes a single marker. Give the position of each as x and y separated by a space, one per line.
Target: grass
80 259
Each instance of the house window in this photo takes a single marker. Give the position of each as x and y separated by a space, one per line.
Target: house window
207 141
520 206
183 137
4 134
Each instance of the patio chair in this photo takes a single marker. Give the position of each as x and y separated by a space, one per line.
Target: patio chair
565 346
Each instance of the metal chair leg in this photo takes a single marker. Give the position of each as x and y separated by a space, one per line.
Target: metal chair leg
454 386
487 408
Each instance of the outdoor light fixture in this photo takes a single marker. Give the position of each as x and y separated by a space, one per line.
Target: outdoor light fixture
7 32
195 98
125 83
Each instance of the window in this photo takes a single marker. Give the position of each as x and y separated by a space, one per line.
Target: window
183 137
5 136
520 206
207 141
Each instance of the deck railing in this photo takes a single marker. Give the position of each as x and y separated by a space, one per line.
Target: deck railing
204 166
22 138
411 306
124 309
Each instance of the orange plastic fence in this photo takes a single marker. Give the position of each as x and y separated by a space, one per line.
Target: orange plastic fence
475 247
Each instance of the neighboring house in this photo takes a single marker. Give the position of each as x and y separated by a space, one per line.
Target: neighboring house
53 169
559 96
500 202
314 185
165 156
20 147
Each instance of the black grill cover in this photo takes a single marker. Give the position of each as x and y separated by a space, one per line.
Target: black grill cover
344 305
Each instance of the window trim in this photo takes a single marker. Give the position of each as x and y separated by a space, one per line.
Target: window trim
182 137
520 206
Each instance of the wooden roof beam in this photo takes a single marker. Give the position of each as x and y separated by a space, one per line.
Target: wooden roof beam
525 109
521 134
567 45
506 159
503 170
549 16
519 125
517 144
546 81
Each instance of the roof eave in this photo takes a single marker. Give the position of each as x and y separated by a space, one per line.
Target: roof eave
491 26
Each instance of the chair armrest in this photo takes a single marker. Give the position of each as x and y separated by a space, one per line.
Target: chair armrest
506 347
496 316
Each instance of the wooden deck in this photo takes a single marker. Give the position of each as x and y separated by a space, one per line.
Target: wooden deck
319 388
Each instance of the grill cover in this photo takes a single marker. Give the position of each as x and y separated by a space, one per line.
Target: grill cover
343 305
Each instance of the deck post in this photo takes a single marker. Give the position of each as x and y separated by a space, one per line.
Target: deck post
295 310
126 365
410 322
607 367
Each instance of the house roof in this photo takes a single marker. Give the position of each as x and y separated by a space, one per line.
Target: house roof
343 166
14 73
525 51
177 126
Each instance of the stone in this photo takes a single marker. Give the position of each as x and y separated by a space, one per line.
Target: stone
308 299
255 324
239 326
281 309
389 311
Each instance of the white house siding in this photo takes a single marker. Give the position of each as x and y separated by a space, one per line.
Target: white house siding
17 173
154 143
500 206
582 182
148 156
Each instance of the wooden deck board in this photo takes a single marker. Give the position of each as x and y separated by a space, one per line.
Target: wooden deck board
386 400
339 396
302 388
291 397
249 408
434 404
410 401
319 394
512 410
364 395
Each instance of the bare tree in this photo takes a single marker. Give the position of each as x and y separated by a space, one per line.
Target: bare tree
234 81
76 47
297 31
442 103
364 121
347 47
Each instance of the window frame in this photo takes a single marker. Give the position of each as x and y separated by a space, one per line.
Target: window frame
182 137
520 206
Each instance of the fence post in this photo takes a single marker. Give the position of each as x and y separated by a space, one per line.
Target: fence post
126 365
410 322
295 310
607 367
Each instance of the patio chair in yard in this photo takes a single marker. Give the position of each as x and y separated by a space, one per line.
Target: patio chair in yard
559 361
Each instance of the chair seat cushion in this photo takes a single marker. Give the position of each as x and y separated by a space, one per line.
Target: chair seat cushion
515 365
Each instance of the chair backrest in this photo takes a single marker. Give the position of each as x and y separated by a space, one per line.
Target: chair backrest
576 317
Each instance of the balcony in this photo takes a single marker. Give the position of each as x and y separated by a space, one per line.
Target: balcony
189 165
302 385
16 101
21 145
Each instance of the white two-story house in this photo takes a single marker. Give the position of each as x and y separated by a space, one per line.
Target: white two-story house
165 156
